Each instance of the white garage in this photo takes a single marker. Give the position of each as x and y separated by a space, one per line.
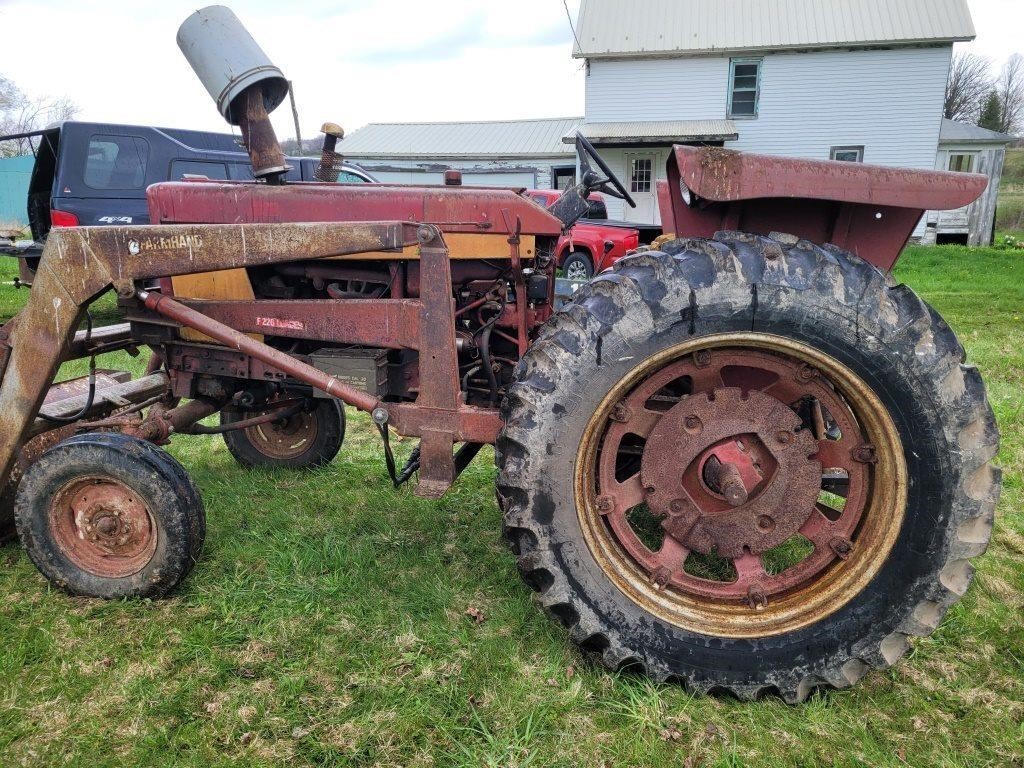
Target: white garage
500 153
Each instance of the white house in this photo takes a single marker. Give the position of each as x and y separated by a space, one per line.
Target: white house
511 153
858 80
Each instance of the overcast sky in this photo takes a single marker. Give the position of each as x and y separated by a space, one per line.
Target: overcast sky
351 61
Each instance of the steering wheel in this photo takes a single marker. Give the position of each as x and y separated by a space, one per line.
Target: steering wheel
609 185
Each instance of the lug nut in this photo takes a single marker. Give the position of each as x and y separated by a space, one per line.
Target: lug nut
621 413
842 547
865 454
605 504
765 523
693 424
661 577
702 358
756 598
806 372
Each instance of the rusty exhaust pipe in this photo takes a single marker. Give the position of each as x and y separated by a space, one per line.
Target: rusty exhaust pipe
329 167
241 79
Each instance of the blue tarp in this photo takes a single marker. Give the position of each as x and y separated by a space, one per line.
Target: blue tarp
14 177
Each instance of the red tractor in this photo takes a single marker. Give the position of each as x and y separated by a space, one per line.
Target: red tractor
747 460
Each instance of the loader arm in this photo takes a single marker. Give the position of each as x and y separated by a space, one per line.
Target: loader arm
78 265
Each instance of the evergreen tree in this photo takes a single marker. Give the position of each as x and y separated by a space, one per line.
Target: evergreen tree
992 113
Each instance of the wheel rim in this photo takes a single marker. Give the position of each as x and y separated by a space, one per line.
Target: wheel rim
286 438
577 270
741 485
103 527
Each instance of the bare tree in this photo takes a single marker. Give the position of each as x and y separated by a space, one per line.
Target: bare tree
1010 89
21 114
970 81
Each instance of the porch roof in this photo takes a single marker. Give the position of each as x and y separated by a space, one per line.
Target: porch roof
655 132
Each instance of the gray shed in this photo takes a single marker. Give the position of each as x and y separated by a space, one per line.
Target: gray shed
966 148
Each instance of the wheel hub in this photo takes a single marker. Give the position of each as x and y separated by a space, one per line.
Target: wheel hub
103 526
740 484
284 438
730 472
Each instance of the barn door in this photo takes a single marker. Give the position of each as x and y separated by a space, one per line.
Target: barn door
640 166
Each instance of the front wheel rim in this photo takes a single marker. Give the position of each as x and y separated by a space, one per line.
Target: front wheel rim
710 445
103 526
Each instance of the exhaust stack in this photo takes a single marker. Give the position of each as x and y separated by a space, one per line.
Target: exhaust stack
241 80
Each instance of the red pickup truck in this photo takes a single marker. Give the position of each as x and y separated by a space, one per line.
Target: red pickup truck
592 244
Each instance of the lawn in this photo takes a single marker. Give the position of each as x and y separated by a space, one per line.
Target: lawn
327 625
1010 210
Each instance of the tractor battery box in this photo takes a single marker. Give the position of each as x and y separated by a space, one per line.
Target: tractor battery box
365 369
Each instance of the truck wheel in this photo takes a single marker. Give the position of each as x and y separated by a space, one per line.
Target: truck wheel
110 516
747 464
310 438
578 266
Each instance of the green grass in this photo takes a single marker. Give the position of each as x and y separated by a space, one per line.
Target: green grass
326 625
1010 208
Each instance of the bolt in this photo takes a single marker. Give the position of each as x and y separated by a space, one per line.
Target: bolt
806 372
842 547
702 358
661 577
93 537
677 506
784 437
621 413
865 454
605 504
765 523
756 598
693 424
122 541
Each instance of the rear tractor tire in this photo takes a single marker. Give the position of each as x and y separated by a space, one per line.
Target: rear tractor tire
110 516
748 464
310 438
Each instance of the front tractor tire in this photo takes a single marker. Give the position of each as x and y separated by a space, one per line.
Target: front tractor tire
111 516
748 464
308 439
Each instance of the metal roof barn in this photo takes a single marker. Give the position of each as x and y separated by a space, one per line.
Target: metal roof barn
486 139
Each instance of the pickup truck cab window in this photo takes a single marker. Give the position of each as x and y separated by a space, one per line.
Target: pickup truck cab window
116 162
211 170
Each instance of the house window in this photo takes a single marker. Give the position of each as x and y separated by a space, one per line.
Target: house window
563 177
961 162
744 87
641 169
847 154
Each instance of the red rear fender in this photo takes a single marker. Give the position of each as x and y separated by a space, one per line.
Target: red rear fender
867 209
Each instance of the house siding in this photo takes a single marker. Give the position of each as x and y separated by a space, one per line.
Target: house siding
888 101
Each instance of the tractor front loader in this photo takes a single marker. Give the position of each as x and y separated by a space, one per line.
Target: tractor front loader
746 460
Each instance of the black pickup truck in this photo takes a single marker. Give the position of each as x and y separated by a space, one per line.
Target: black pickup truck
89 174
